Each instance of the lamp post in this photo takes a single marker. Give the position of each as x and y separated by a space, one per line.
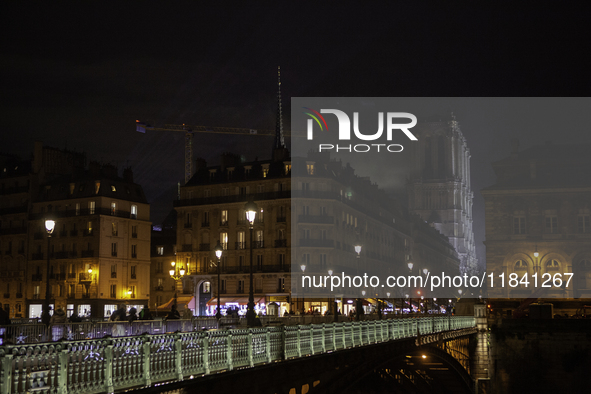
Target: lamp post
176 273
45 317
410 265
218 253
251 210
303 268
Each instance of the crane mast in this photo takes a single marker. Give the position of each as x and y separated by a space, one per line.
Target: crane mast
189 130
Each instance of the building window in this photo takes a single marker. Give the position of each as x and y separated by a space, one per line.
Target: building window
89 228
133 251
305 186
240 288
91 207
160 250
206 287
281 260
114 231
259 262
159 267
281 285
133 293
224 240
77 209
134 211
323 260
306 258
552 265
72 291
583 224
222 286
205 222
240 262
306 233
113 291
551 224
113 208
114 249
224 218
225 191
113 188
519 225
310 169
134 231
260 188
114 271
520 265
265 172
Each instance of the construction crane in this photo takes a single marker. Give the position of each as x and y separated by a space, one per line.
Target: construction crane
189 130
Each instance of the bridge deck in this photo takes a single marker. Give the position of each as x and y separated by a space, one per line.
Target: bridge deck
116 364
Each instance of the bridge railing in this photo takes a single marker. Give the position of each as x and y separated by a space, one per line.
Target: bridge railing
119 363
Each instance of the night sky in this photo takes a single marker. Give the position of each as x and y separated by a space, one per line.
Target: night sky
79 76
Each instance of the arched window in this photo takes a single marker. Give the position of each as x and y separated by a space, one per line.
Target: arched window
552 265
585 265
520 265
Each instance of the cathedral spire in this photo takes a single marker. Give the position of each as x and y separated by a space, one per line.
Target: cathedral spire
279 142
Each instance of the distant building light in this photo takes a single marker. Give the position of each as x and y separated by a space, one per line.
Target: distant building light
157 228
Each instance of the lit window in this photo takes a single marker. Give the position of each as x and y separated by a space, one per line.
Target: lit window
519 225
113 188
160 250
310 168
134 211
91 207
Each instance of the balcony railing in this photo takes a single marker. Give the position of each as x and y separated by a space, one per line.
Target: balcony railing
6 295
320 219
280 243
113 275
204 224
134 255
88 253
36 296
187 247
241 222
71 295
240 245
61 255
223 223
159 288
204 247
133 235
88 233
188 225
84 277
133 276
37 256
258 244
58 276
37 277
113 254
281 219
233 198
19 295
319 243
73 233
71 275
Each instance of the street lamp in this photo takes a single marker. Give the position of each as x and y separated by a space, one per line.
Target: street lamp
303 268
218 253
87 282
358 250
251 210
45 317
177 272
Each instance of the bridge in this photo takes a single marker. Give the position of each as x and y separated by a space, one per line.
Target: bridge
431 354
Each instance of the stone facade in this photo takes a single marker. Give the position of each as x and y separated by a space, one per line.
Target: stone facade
537 219
439 188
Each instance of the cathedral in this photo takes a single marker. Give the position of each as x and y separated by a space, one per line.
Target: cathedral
439 188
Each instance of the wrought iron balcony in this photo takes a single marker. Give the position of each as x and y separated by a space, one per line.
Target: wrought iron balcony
281 219
37 277
240 245
88 253
319 243
258 244
280 243
204 247
187 247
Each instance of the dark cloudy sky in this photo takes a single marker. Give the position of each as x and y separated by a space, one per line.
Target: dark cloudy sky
80 75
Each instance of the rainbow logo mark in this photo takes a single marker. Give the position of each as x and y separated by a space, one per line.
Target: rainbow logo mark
316 119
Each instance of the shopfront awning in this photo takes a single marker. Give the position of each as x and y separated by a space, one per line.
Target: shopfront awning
235 300
182 302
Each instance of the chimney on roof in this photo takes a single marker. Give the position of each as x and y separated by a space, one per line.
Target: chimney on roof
128 175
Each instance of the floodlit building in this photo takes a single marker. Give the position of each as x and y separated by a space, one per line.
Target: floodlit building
99 251
537 221
439 188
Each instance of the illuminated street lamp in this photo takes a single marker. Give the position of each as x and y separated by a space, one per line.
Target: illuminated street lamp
218 253
251 211
176 273
358 250
45 317
303 268
410 265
